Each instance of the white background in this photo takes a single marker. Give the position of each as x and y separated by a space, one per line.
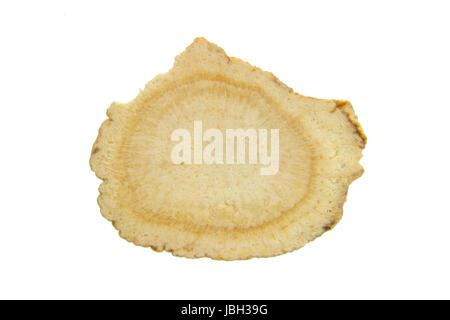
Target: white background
62 63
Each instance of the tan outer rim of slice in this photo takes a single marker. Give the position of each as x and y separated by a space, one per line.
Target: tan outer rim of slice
330 126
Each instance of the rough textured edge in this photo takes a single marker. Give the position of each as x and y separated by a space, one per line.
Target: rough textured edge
346 107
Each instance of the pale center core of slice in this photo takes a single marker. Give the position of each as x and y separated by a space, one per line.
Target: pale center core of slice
219 195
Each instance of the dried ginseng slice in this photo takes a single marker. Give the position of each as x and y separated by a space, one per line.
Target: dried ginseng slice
286 188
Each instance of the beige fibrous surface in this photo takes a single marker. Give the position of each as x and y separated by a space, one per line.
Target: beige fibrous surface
225 212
